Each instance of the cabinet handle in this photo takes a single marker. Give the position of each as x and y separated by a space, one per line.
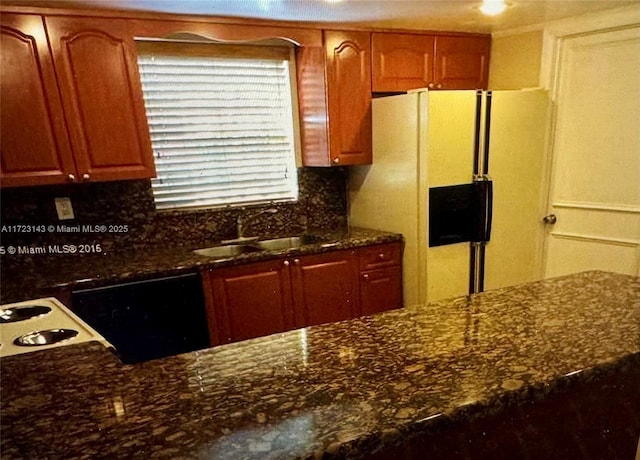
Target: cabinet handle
71 178
365 276
86 176
430 85
336 160
296 261
439 86
286 263
381 256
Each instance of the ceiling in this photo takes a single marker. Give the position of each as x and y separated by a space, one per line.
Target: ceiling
454 15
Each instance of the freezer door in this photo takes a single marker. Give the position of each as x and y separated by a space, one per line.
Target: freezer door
448 146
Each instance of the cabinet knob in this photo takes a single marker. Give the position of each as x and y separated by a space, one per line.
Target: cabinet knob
439 86
366 276
71 178
381 256
86 176
296 261
336 160
286 263
430 85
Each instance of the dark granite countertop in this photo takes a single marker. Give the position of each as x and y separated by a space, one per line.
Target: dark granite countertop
341 390
37 277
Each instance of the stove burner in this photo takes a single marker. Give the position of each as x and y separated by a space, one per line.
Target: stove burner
48 337
15 314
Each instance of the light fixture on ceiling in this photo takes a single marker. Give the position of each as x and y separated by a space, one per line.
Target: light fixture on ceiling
493 7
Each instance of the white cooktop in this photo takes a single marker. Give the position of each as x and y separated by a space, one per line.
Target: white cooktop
54 317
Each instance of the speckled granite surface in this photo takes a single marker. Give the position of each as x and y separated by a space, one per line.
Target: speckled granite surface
342 390
322 203
35 280
135 237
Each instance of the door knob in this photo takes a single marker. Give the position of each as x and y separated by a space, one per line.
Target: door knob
550 219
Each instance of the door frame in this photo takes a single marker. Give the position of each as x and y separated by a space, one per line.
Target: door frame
555 35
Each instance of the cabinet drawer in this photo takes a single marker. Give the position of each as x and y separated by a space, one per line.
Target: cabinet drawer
382 255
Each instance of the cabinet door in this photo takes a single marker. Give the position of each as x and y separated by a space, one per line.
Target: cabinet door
381 290
401 62
34 144
249 301
462 62
102 95
312 104
349 96
325 287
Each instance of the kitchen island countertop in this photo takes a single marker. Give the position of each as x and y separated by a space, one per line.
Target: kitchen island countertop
341 390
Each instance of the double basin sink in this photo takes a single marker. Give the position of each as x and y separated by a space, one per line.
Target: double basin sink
249 245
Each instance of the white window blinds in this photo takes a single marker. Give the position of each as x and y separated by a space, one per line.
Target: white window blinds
221 123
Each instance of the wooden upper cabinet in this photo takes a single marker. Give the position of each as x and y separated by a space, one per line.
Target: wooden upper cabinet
95 59
462 62
401 61
348 67
312 105
34 144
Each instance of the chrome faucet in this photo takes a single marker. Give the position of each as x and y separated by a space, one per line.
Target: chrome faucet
242 223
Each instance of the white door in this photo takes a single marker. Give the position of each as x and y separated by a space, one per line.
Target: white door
595 177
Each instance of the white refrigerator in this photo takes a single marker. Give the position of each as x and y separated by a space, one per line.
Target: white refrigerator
459 174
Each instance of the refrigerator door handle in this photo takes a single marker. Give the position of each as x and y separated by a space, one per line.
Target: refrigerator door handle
489 210
483 198
476 140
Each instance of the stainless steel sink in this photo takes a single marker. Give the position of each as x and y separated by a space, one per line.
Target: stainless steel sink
278 244
224 252
275 244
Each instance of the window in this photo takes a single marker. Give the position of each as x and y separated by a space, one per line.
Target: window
221 119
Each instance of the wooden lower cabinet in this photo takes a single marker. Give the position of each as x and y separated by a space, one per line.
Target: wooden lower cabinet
325 287
248 301
381 290
380 278
264 298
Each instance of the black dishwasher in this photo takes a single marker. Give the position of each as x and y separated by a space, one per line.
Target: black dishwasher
147 319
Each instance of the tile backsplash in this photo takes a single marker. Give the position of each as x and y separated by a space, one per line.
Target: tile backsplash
322 204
